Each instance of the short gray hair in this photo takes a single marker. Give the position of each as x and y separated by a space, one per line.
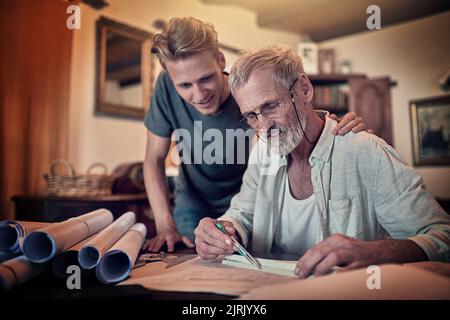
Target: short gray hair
283 60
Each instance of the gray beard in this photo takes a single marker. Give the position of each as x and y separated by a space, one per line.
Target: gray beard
287 140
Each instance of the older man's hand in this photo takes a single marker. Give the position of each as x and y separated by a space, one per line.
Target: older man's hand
351 253
336 250
210 242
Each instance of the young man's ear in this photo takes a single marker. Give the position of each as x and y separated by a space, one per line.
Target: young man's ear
221 60
306 87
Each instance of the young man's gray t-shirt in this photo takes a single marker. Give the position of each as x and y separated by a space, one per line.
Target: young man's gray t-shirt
211 171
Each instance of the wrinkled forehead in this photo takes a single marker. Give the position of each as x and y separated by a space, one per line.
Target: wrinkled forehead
259 89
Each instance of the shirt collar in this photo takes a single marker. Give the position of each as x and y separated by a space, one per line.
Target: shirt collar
322 150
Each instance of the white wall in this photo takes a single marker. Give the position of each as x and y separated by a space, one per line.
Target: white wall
415 54
114 141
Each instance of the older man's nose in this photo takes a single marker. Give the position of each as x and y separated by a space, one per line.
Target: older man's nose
264 124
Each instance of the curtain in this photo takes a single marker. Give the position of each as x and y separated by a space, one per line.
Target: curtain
35 55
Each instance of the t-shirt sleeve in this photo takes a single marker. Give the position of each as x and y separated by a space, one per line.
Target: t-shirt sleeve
157 119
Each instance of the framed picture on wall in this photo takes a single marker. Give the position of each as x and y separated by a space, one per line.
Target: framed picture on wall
327 61
309 51
430 124
124 70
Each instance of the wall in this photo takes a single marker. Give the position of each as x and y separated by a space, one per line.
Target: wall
415 54
112 140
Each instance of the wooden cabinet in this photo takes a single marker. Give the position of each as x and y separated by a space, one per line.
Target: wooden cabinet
368 98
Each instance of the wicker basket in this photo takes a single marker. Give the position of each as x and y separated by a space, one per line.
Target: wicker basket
73 185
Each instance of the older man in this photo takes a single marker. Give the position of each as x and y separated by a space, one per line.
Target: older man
346 201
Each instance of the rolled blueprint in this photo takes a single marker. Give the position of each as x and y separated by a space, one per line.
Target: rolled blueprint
67 258
17 271
91 252
40 246
118 261
12 231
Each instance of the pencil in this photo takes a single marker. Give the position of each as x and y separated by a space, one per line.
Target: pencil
240 248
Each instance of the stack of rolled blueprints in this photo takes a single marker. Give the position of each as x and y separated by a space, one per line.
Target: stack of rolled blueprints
92 241
122 239
113 251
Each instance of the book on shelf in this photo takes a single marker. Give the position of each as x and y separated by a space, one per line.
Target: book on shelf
332 97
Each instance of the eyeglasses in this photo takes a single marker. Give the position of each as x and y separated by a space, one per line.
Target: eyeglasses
268 111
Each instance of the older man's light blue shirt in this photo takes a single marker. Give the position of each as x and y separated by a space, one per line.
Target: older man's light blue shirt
363 189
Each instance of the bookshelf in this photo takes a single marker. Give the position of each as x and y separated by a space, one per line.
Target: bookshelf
368 98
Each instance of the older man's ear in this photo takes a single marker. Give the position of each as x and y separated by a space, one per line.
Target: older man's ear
306 87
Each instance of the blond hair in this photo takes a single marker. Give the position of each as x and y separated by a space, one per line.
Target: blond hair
283 60
184 37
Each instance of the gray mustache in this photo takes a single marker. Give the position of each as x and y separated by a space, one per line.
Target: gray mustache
279 128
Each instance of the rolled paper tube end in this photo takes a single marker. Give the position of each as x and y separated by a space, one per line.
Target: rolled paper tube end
114 267
88 257
9 238
39 247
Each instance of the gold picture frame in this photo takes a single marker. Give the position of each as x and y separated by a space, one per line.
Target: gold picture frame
124 70
430 124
